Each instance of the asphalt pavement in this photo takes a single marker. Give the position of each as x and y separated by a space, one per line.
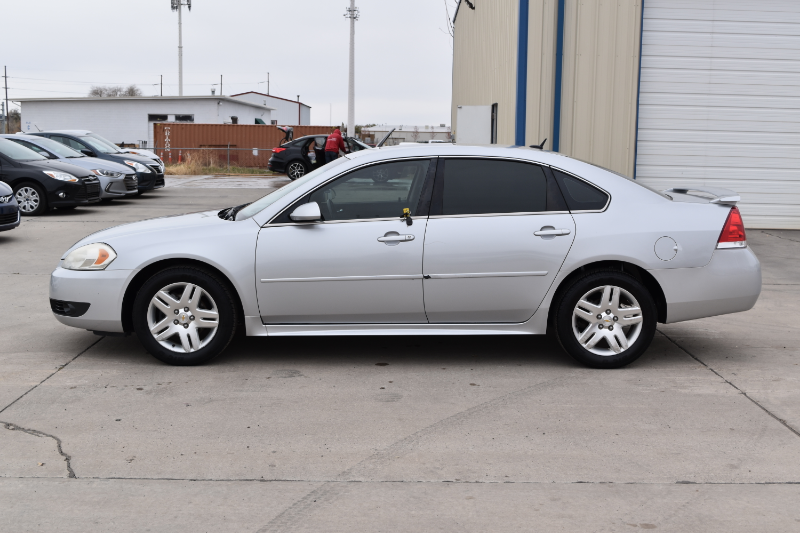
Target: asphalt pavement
394 433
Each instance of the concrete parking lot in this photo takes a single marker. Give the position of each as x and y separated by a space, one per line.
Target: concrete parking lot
390 434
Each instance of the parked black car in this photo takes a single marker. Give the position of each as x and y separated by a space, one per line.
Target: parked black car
39 183
9 210
298 157
149 173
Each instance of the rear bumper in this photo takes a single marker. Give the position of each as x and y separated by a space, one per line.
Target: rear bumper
730 283
101 292
276 165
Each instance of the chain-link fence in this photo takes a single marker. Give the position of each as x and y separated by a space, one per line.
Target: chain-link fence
196 160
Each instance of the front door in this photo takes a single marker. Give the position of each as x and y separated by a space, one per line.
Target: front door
498 234
361 264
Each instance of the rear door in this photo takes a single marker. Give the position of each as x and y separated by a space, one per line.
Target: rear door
498 234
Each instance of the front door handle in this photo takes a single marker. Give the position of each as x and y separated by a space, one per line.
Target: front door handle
551 232
393 238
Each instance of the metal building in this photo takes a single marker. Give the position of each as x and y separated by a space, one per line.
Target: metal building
130 119
669 92
285 112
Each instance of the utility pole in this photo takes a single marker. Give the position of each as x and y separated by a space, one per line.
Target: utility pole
3 113
220 84
5 76
267 83
177 5
298 109
352 14
162 85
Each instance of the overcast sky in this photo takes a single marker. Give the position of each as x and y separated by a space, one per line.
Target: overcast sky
403 53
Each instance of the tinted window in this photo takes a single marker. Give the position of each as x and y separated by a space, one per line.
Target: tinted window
378 191
16 152
479 186
157 118
580 196
75 145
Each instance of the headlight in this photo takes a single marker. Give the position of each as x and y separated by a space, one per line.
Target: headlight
139 167
61 176
6 199
95 256
107 173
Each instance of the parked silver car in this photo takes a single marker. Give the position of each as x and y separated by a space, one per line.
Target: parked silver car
457 240
116 180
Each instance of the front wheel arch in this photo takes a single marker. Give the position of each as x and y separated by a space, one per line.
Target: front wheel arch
150 270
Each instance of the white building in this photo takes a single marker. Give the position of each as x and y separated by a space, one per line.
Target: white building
405 133
285 112
129 119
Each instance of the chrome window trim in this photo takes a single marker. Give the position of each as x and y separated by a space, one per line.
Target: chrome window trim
608 194
502 214
283 224
312 191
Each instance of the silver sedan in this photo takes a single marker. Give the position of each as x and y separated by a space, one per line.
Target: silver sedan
421 240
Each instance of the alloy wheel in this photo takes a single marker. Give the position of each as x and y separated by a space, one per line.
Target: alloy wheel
296 170
607 320
28 199
183 317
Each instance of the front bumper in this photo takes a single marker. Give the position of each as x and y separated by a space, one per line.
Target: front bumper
84 193
729 283
102 290
150 181
119 187
10 216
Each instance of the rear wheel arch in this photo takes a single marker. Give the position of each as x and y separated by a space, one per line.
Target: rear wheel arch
642 275
150 270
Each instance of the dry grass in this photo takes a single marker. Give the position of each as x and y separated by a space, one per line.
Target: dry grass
208 162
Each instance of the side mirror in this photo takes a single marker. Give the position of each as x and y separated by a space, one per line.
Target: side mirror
87 152
307 213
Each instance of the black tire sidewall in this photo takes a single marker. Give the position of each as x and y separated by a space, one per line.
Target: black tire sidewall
581 286
42 209
225 306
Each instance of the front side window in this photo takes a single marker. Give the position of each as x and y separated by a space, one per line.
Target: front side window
75 145
580 196
377 191
483 186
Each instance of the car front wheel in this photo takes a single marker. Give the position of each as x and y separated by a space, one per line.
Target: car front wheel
184 316
31 199
606 319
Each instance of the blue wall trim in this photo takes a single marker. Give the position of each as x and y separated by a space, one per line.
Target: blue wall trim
638 92
522 74
559 72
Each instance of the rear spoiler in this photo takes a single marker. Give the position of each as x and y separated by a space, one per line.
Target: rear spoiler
721 196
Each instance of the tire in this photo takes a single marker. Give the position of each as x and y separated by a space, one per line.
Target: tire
31 199
296 169
184 343
602 342
380 175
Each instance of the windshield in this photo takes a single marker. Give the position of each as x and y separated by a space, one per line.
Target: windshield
18 152
99 138
101 146
52 146
266 201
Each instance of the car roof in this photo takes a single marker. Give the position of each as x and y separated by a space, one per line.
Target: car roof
77 133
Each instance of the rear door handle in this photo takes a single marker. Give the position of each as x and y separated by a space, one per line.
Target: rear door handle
396 238
551 232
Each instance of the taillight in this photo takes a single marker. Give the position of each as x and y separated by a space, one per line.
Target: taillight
278 150
733 235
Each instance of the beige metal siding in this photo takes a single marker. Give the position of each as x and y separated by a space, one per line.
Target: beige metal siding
542 22
600 82
485 62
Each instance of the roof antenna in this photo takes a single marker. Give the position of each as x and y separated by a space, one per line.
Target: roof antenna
541 146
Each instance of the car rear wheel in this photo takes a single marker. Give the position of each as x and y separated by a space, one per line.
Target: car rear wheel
606 319
296 169
31 199
184 316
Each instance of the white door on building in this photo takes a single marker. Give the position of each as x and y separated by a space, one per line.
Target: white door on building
720 102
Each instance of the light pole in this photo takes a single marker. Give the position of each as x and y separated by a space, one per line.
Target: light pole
352 14
177 5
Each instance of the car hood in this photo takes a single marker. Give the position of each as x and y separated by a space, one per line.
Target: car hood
5 189
92 163
60 165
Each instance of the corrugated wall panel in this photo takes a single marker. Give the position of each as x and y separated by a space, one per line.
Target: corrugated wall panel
720 102
485 62
601 64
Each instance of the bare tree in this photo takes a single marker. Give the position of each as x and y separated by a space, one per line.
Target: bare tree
415 133
112 91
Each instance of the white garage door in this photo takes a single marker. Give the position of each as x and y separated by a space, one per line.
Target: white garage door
720 102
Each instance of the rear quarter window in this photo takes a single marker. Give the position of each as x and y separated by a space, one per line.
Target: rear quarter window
580 195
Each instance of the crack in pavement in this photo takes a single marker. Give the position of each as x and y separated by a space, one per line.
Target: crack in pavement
783 422
13 427
291 517
778 236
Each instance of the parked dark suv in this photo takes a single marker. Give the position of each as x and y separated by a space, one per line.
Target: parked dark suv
9 210
298 157
39 183
149 173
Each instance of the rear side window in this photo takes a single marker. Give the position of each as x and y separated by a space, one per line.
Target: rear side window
580 196
481 186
